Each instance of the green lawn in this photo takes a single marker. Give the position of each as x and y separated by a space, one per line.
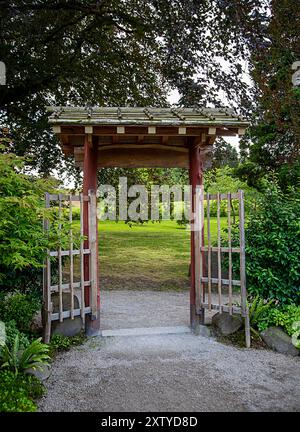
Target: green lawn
153 254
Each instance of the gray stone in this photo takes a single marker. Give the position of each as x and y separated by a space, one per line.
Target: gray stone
41 374
66 301
226 324
279 341
67 327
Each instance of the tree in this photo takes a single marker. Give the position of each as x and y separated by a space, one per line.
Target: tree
118 52
274 139
224 154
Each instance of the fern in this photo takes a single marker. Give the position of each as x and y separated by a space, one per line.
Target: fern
34 356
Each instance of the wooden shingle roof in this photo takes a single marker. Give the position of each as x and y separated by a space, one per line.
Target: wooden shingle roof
144 116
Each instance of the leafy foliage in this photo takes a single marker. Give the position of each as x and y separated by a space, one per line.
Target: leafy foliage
18 392
59 52
64 343
272 246
296 334
273 142
34 356
258 312
284 317
23 240
12 331
224 154
223 180
19 309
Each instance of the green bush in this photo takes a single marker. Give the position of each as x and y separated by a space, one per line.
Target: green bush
17 393
12 331
23 239
284 317
21 308
259 310
272 246
64 343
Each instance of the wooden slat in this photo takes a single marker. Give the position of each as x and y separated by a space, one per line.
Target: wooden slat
225 308
229 253
219 254
234 282
47 283
66 286
67 252
60 297
94 252
245 310
209 249
67 314
141 146
82 263
139 158
222 249
214 197
55 197
71 258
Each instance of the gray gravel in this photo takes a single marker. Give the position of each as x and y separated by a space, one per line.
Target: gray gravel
131 308
179 372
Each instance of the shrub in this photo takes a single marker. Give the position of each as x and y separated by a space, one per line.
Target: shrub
23 240
284 317
264 314
64 343
21 308
12 331
272 246
17 393
16 359
259 311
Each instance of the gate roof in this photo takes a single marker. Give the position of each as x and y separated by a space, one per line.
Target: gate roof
142 137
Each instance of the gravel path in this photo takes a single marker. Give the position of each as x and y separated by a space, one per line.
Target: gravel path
179 372
130 308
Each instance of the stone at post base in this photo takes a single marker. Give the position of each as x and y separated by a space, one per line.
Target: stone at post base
279 341
226 324
68 327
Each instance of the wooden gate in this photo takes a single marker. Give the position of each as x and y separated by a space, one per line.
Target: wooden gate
70 288
220 255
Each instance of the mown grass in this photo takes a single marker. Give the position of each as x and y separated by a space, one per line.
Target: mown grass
158 252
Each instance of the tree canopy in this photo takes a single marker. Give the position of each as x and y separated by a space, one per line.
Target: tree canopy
273 142
120 52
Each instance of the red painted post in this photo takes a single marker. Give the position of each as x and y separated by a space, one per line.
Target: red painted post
196 178
90 183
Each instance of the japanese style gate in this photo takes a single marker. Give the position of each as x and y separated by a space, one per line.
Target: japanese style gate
143 137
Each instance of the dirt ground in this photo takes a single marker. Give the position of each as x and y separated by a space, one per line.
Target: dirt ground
170 372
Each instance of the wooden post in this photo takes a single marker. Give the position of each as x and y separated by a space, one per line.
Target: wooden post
245 310
47 305
196 179
90 183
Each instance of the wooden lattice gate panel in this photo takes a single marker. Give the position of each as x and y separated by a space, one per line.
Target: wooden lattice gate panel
228 248
71 290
